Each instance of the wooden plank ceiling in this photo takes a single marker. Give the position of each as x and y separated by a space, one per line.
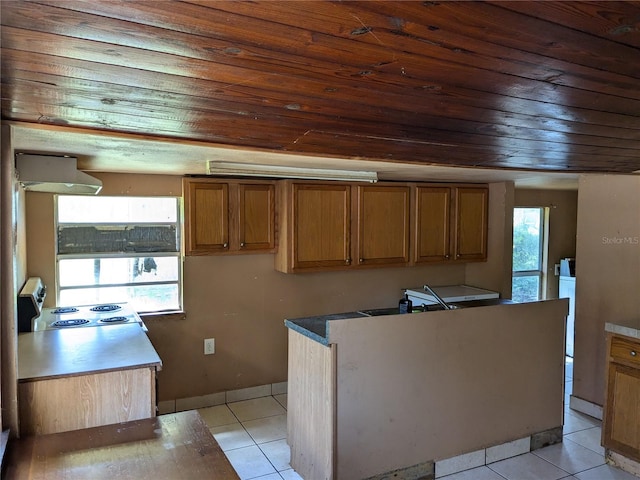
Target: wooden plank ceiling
548 86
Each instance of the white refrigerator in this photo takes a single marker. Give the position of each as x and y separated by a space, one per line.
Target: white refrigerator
567 289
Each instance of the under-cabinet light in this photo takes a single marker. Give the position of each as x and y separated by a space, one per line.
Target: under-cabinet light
279 171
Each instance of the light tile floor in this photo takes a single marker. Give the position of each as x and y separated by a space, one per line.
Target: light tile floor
253 436
252 433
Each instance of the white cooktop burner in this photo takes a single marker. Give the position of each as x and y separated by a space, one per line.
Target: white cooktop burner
86 316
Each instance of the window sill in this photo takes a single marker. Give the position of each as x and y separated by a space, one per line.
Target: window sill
175 315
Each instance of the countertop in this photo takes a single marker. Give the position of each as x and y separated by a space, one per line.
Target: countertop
627 330
317 327
79 351
177 445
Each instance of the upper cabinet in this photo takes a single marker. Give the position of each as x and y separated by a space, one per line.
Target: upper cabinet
471 221
319 235
451 223
433 224
337 226
383 225
256 216
315 226
228 216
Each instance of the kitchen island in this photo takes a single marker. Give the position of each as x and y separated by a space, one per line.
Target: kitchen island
75 378
400 395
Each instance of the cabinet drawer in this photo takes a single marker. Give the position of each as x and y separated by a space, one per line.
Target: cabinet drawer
625 350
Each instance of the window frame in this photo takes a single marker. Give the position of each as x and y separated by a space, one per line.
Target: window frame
539 273
123 255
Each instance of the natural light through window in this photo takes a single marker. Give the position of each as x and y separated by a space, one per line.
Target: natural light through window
119 249
528 243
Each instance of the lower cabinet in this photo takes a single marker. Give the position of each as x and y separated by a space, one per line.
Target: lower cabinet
621 425
63 404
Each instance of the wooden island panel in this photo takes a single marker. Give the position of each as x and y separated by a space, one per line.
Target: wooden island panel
77 402
311 396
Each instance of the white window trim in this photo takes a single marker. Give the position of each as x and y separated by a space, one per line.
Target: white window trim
70 256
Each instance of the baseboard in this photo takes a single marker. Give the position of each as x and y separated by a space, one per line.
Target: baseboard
623 463
220 398
422 471
586 407
496 453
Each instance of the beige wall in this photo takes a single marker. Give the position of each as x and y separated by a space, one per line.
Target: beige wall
563 217
430 386
607 273
241 301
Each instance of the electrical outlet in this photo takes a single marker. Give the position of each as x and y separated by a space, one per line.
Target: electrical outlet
209 346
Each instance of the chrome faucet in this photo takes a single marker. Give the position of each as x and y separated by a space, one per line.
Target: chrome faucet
444 304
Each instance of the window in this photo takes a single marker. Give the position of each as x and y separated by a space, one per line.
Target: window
528 254
119 249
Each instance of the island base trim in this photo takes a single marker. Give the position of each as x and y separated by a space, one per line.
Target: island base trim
486 456
432 470
422 471
546 438
622 462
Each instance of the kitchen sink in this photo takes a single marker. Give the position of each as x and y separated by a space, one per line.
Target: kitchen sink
433 308
375 312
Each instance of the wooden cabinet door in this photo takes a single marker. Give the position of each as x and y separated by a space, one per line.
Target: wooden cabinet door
206 217
621 425
622 422
321 226
471 210
256 216
383 225
433 212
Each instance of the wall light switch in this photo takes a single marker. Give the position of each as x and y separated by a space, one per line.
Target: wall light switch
556 270
209 346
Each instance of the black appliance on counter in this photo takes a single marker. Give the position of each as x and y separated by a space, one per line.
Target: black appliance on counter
30 302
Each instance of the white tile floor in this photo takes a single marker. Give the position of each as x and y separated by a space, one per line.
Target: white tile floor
252 433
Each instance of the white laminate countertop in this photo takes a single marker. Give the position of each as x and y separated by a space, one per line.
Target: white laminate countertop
632 331
83 350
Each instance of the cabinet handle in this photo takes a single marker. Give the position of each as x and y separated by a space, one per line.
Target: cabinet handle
447 256
242 244
348 261
225 245
633 353
361 260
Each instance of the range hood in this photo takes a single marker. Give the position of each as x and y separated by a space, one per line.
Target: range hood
54 174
